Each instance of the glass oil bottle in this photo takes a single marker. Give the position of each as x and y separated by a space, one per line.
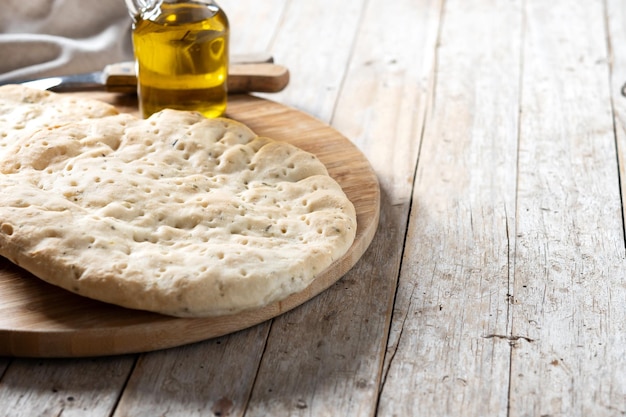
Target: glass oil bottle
181 49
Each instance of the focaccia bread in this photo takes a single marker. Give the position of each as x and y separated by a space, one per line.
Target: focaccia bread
24 110
175 214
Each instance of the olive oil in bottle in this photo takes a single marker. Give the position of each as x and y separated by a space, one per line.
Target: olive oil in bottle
182 58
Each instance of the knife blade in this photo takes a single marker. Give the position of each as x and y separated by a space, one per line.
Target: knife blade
265 77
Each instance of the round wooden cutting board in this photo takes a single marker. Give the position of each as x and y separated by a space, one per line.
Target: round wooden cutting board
40 320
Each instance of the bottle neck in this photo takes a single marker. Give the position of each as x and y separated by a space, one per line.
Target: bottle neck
142 8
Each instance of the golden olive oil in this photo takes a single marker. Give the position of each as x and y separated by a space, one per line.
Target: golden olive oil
182 58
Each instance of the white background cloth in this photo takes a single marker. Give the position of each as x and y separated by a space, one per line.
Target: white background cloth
54 37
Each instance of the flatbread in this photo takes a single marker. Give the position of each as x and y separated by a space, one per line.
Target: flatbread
175 214
25 110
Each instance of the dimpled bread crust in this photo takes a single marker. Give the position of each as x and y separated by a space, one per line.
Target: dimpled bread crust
175 214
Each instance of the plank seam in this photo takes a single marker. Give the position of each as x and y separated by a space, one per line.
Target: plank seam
512 240
124 385
614 116
244 406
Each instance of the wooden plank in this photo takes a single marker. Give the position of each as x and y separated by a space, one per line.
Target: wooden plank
85 387
387 89
314 41
383 102
614 398
253 24
569 292
449 346
616 20
211 378
333 366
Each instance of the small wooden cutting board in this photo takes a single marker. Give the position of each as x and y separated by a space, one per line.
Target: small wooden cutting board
40 320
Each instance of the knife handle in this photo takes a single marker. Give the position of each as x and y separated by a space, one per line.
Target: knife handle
242 78
120 77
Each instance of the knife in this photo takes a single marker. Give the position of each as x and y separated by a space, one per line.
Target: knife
247 74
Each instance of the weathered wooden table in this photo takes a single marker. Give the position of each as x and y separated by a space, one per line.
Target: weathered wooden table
496 282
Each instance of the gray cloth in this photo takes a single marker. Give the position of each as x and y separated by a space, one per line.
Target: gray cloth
54 37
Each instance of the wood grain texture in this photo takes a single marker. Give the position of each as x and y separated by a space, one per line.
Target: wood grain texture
449 353
40 320
254 24
210 378
85 387
613 395
569 293
616 21
317 38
